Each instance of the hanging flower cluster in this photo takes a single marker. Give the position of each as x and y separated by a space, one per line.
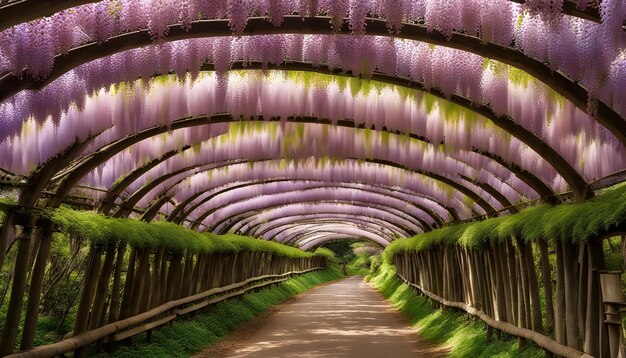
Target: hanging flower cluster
505 89
580 48
266 144
329 172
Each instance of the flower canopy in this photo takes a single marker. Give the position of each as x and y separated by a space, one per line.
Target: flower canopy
310 120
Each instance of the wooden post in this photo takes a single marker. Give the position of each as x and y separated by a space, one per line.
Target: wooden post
594 330
583 280
5 230
103 286
571 296
128 284
547 284
612 298
559 312
114 310
162 285
173 274
14 311
36 284
185 283
86 298
143 270
533 288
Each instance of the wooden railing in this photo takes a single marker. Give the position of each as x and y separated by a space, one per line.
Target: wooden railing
542 341
156 317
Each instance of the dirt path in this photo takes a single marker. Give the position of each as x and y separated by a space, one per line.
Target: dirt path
343 319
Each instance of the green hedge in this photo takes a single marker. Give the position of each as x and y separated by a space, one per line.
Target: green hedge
101 231
577 222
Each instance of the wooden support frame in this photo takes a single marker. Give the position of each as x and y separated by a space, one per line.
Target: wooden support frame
10 85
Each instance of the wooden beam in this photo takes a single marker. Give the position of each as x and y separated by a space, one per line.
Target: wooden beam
344 203
571 90
571 176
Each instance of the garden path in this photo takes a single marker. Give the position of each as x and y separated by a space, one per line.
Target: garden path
347 318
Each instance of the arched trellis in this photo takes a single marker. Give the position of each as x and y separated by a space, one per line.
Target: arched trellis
135 197
466 191
18 12
321 25
581 192
550 155
233 223
127 205
571 176
177 215
138 172
319 185
109 199
328 237
99 157
263 228
304 239
291 234
386 230
303 210
118 187
340 194
316 242
387 190
298 235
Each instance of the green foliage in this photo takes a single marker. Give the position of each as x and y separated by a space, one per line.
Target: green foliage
5 205
101 231
449 328
187 337
324 252
568 222
375 264
359 266
341 248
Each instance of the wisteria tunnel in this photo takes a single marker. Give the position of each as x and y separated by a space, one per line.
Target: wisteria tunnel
161 158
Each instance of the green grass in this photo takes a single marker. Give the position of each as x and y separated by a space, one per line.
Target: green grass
187 337
449 328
